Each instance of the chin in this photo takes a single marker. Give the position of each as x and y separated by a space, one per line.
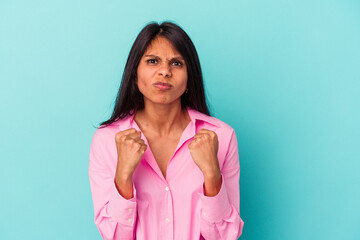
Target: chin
163 100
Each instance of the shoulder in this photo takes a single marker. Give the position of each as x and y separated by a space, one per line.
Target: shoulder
217 125
224 131
227 140
223 126
105 133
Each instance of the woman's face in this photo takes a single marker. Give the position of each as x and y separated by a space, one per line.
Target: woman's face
162 73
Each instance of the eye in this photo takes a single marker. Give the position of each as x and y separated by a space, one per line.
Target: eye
152 61
177 63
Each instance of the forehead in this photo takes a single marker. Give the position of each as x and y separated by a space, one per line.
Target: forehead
161 46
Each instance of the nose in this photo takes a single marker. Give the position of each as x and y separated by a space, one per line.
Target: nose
165 70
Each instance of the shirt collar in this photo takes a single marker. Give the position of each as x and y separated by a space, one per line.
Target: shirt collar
194 116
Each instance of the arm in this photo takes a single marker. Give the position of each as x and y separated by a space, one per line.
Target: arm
115 216
220 217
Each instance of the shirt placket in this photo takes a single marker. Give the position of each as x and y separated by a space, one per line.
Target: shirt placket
167 214
167 221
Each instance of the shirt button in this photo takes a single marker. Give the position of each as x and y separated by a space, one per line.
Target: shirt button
130 220
167 188
167 220
130 209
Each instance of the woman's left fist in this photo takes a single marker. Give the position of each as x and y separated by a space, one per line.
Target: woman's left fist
203 149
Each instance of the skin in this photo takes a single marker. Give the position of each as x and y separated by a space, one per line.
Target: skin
162 118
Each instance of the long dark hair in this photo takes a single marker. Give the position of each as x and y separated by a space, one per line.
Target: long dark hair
129 99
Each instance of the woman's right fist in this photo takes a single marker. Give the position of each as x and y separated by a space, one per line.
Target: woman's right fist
130 149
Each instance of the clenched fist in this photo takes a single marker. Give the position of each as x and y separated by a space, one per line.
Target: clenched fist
203 149
130 149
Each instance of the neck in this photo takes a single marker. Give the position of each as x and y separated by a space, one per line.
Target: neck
162 119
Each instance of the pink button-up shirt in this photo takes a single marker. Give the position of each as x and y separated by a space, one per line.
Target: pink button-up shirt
171 208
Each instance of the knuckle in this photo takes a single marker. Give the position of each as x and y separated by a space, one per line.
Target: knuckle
123 138
117 138
137 145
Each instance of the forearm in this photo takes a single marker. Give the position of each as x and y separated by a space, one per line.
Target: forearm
220 218
212 183
124 185
113 216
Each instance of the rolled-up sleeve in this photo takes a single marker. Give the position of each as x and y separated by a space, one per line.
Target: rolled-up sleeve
220 214
215 208
115 216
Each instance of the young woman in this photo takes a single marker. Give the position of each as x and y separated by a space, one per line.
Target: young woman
161 167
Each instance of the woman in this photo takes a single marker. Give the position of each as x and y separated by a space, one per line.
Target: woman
161 167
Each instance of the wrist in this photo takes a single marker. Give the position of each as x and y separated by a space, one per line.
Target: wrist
212 185
212 177
124 186
123 173
123 177
212 174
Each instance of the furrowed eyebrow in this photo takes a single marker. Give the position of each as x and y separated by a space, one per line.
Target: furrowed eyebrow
156 57
178 58
152 56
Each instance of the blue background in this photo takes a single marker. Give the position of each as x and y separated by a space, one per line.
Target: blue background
284 74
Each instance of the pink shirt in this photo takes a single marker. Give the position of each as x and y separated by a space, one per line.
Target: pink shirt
171 208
